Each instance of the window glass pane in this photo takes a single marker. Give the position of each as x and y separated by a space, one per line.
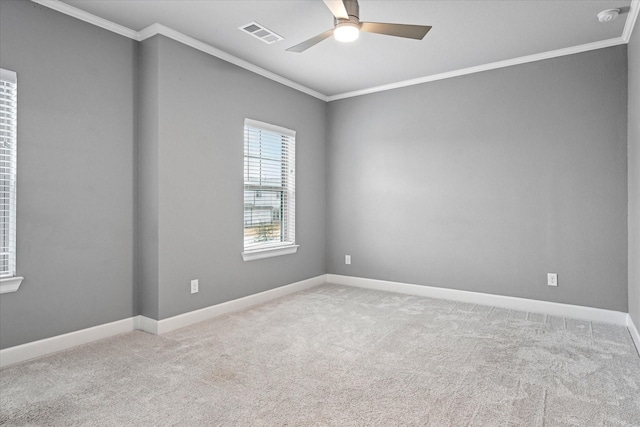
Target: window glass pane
268 183
8 134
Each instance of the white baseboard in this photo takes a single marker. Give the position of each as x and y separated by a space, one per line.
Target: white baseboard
20 353
147 324
512 303
633 330
34 349
180 321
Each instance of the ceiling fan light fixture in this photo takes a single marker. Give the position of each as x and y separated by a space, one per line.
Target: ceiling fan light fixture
347 26
346 32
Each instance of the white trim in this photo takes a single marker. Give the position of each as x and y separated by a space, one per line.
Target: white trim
633 330
10 284
34 349
156 29
196 316
148 32
8 75
147 324
485 67
269 252
630 23
512 303
31 350
88 17
269 127
24 352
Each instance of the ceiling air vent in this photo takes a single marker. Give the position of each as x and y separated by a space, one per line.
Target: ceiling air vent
260 32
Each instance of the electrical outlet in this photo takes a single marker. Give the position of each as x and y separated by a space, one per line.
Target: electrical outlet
194 286
347 259
552 279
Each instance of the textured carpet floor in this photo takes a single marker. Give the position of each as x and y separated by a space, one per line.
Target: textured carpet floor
343 356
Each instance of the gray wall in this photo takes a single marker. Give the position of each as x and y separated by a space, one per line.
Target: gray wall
634 176
148 179
76 86
82 176
202 104
483 182
486 182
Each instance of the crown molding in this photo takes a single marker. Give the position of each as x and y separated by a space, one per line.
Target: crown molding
158 29
150 31
631 20
485 67
88 17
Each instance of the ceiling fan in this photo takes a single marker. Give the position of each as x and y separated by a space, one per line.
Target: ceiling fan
347 26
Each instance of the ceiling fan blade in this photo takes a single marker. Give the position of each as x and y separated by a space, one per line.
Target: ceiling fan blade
399 30
300 47
337 8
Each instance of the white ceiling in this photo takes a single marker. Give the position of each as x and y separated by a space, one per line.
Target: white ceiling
466 33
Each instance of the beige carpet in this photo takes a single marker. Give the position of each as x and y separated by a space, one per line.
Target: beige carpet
342 356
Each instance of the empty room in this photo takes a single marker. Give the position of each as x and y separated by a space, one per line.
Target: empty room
308 212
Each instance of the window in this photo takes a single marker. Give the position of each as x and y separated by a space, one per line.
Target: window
269 190
8 139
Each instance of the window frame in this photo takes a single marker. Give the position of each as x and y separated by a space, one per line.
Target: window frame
9 281
287 244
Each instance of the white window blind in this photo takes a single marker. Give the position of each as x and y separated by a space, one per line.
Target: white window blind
8 139
269 186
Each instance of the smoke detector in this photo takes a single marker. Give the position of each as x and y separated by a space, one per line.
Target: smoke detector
608 15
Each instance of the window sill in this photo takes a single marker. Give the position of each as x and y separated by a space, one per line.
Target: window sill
10 284
269 252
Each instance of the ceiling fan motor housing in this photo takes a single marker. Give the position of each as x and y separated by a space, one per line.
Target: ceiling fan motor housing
352 20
